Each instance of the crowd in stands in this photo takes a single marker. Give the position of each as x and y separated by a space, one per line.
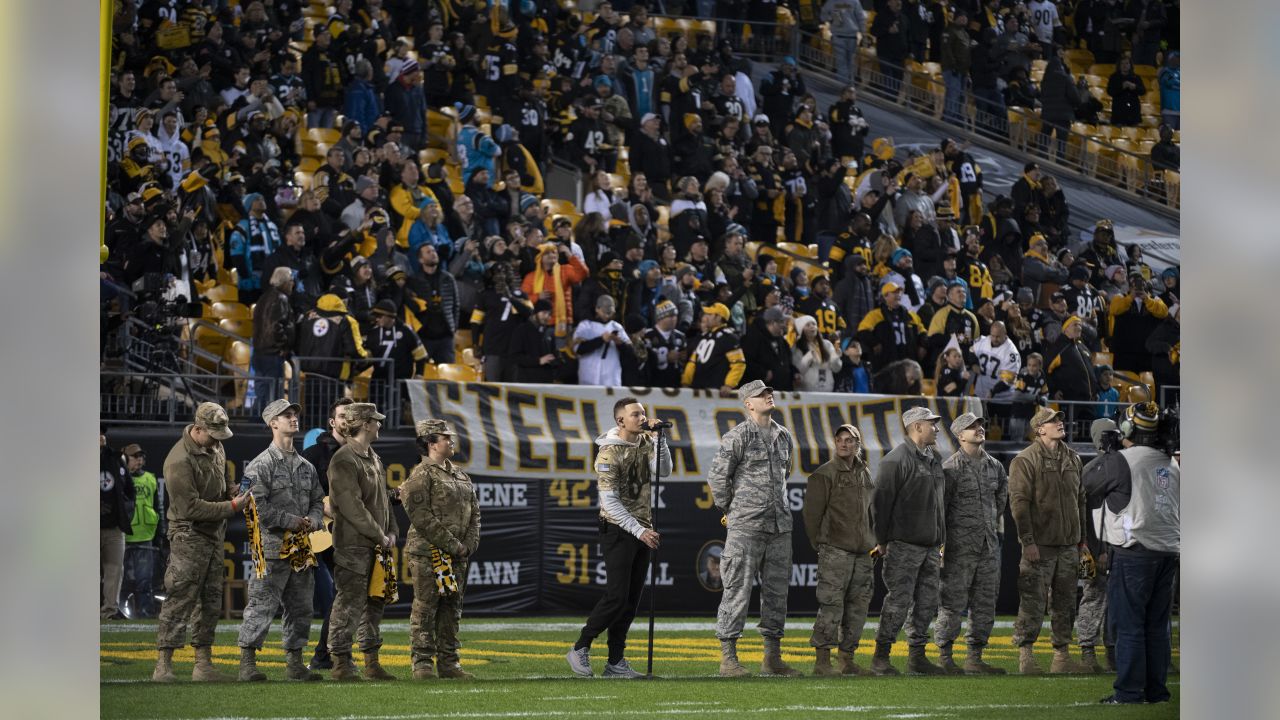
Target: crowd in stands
731 228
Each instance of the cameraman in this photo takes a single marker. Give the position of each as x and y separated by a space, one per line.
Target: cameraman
1091 617
1140 500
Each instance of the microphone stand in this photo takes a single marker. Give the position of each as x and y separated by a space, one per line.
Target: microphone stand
653 554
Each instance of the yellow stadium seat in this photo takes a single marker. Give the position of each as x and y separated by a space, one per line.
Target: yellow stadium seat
360 385
211 341
326 136
556 206
429 372
1105 70
240 328
302 179
309 164
664 26
1173 187
1079 60
796 249
462 339
1104 358
222 293
427 156
928 387
231 311
457 372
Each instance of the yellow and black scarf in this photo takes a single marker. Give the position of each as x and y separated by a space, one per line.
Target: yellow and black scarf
442 566
382 583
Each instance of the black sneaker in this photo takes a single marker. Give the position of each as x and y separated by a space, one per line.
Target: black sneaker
1113 700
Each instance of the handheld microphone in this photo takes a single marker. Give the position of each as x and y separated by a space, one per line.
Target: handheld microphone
658 424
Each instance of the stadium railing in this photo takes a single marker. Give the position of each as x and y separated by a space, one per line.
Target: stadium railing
137 398
1122 164
317 392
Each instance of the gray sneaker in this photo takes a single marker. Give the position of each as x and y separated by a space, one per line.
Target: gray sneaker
580 661
621 670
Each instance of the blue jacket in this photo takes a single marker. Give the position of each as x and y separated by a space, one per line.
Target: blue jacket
362 104
1170 89
420 234
252 242
408 106
475 151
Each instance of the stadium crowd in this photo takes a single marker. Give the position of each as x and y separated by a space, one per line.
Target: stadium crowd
731 228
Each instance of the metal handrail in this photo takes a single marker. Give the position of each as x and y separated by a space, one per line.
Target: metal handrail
151 397
1086 157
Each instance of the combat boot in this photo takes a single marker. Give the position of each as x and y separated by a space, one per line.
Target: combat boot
918 664
373 669
164 667
880 661
1089 659
975 665
424 669
729 665
822 665
849 667
773 663
295 670
249 666
947 662
454 671
343 668
1027 661
204 671
1063 664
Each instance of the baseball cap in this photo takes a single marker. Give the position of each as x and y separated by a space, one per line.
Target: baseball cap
384 307
211 417
889 287
133 449
717 309
358 413
433 427
647 117
966 421
853 430
1044 415
917 414
755 388
276 408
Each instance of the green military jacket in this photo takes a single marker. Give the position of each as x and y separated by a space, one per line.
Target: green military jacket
199 489
443 509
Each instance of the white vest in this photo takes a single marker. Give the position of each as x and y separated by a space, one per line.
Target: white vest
1153 513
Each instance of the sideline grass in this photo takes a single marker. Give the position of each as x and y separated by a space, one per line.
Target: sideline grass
521 673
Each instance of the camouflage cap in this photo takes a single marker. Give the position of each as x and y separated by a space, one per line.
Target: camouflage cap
964 422
360 413
434 427
755 388
211 417
918 414
1045 414
276 408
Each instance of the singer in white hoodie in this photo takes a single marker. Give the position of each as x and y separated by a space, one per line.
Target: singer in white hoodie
625 466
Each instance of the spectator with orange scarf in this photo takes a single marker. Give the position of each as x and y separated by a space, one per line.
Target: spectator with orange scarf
552 279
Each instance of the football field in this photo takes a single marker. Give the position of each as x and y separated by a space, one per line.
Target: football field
521 673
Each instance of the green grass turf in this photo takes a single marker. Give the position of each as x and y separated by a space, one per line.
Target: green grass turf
521 673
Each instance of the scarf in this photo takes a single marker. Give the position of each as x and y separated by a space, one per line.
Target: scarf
1034 185
255 538
296 548
540 281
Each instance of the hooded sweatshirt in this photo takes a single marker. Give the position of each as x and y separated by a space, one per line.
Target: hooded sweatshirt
252 241
625 471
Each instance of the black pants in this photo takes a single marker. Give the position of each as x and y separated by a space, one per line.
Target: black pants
626 561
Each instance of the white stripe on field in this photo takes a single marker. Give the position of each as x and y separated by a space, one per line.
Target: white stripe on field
925 710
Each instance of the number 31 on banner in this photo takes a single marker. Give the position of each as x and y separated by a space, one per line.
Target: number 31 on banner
575 563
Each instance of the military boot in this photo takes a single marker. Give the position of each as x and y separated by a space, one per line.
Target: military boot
164 667
773 663
1063 664
1089 659
822 665
947 662
849 667
918 664
343 668
249 666
880 661
729 665
975 665
424 669
204 671
452 670
1027 661
373 669
295 670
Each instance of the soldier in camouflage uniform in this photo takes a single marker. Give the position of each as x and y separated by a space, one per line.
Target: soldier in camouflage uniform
748 482
977 491
200 501
362 524
289 500
910 524
625 466
837 518
1047 502
444 517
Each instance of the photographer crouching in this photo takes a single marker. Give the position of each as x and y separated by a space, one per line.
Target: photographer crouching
1139 493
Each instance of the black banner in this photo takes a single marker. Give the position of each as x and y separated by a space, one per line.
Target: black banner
538 549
